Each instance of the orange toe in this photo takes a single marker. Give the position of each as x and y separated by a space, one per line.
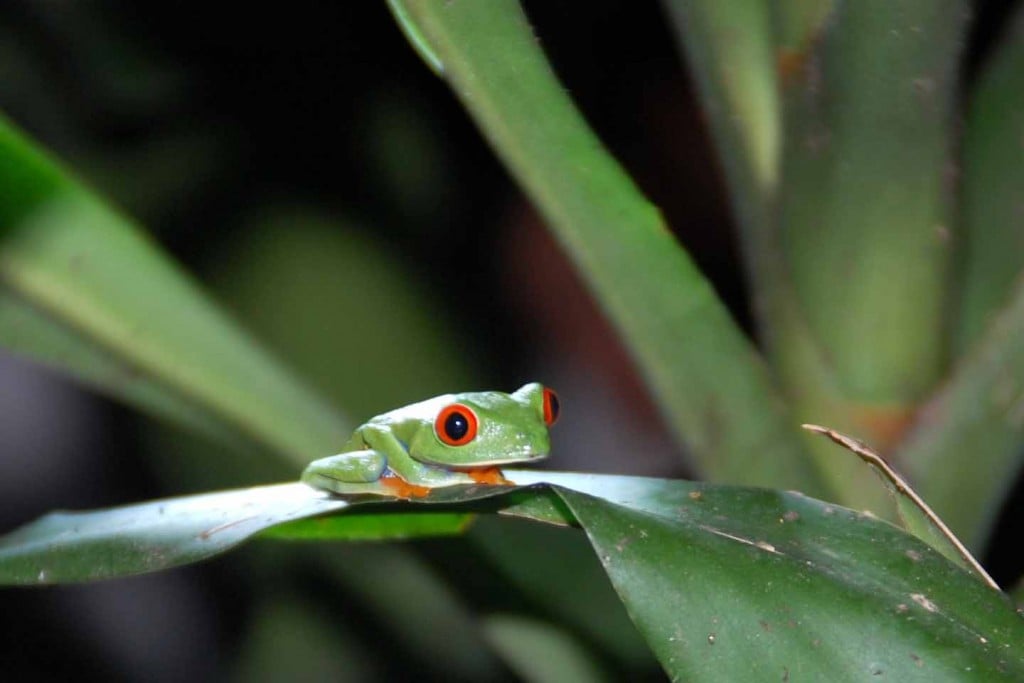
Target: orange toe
488 475
403 489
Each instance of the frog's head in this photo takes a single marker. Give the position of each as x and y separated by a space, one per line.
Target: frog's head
489 428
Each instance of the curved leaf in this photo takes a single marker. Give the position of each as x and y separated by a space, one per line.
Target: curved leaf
66 547
759 585
81 288
711 382
723 582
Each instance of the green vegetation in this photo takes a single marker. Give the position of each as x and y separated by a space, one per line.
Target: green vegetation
887 306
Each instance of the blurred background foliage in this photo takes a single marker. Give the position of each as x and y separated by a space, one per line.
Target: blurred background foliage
318 179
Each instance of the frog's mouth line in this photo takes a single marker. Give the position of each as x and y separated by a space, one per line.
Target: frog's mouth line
532 457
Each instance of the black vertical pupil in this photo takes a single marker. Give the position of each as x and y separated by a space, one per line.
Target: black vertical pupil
455 426
553 405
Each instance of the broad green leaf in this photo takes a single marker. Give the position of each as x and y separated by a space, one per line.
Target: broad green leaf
711 383
745 584
64 547
723 581
991 253
82 289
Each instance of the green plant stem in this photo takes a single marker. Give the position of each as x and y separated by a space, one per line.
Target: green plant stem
865 217
857 325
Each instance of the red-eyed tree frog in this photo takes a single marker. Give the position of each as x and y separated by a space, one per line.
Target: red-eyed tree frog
443 441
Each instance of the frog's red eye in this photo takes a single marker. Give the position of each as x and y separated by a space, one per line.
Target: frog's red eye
456 425
551 407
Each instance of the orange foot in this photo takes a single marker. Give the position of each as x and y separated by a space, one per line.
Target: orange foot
488 475
403 489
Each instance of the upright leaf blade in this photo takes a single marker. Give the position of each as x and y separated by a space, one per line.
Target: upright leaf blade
105 303
731 55
27 331
865 206
712 384
964 450
856 327
991 253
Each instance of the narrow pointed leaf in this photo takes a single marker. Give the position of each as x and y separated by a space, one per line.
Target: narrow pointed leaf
730 52
712 384
28 331
84 290
992 248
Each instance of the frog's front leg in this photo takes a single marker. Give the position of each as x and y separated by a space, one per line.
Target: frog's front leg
405 466
335 472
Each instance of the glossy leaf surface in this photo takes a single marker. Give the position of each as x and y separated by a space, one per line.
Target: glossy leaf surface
721 581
